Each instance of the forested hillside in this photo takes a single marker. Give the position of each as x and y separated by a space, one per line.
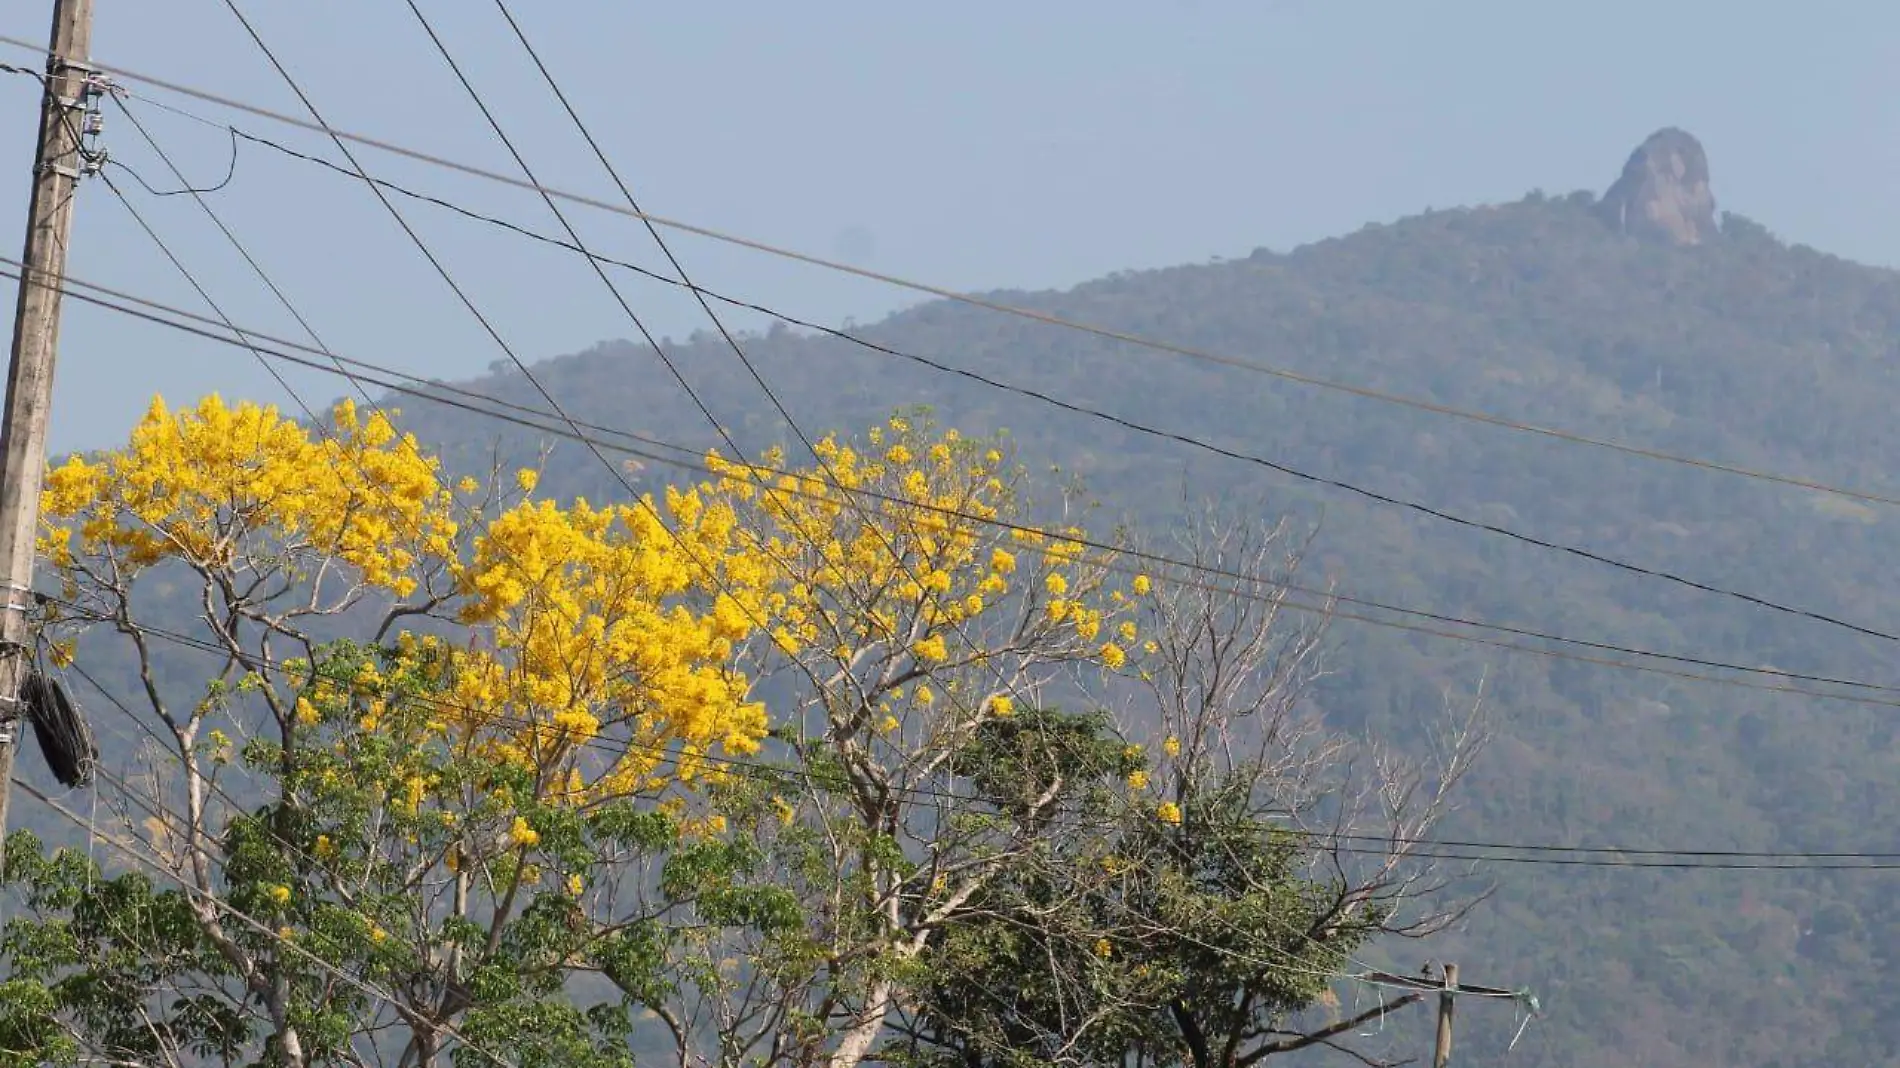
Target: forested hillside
1743 350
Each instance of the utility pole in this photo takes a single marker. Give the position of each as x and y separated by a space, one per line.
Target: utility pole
1447 1001
1449 990
57 165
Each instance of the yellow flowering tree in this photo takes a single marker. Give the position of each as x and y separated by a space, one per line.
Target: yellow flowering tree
915 595
781 757
519 674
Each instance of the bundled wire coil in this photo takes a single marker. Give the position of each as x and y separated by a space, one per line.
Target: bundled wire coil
65 738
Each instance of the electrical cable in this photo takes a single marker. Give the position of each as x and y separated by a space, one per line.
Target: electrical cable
1225 452
948 294
427 390
1638 569
230 172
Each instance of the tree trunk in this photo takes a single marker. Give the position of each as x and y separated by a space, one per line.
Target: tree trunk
856 1043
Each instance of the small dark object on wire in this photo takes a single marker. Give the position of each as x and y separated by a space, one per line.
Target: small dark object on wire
66 741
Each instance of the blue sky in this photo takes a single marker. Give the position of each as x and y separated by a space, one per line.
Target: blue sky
975 145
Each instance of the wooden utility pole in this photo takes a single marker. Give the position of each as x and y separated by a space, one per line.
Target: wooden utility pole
56 169
1447 1001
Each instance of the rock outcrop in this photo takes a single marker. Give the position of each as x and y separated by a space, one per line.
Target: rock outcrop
1664 191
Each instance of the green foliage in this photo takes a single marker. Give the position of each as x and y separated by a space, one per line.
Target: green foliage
380 849
1127 935
1746 350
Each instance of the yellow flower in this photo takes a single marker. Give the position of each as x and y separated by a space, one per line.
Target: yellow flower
377 935
786 813
1002 561
324 848
279 894
576 885
898 454
1168 812
1103 949
1126 630
1113 656
1056 584
1171 745
469 486
1002 706
930 649
524 835
925 695
1138 780
527 479
1132 752
1141 585
890 724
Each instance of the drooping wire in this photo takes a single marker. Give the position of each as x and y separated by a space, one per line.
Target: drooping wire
230 171
927 289
434 392
340 136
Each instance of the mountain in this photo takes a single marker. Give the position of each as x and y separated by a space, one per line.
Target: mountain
1639 317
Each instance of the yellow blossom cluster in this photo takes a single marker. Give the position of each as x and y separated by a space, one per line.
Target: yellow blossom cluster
619 618
211 483
580 620
903 561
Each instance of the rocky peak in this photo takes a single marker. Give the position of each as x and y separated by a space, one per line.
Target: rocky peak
1663 193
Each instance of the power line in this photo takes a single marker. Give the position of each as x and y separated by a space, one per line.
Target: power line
1656 573
340 137
955 296
1161 433
737 302
424 389
1546 854
185 188
573 236
626 193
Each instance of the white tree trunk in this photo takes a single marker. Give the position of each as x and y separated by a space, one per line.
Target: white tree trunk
863 1031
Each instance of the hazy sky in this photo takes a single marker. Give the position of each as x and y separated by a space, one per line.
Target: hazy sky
974 145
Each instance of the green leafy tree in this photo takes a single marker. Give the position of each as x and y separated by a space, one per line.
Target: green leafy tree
1200 905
